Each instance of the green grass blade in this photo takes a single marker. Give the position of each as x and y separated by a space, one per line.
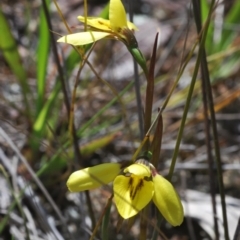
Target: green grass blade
209 37
40 122
190 93
228 34
105 222
72 60
42 59
54 160
10 52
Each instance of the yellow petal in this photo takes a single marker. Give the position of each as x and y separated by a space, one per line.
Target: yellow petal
167 201
83 38
131 194
117 15
98 23
93 177
138 169
131 26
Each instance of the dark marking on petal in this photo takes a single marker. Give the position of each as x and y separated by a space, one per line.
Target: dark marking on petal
134 190
130 182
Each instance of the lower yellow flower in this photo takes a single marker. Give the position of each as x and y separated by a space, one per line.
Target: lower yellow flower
133 190
139 184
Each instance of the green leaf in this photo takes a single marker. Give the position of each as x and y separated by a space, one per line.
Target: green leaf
10 51
105 222
40 122
42 58
209 38
228 34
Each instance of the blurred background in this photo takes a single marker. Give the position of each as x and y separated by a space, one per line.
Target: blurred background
38 152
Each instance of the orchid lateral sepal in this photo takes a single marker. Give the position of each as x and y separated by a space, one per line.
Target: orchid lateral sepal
93 177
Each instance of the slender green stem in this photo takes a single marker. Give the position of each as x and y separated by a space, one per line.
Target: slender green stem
138 99
219 162
216 145
85 15
144 223
215 140
164 104
178 77
187 105
137 84
101 218
62 17
208 145
184 117
190 93
106 219
205 90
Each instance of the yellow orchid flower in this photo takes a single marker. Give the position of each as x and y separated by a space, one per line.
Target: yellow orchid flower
117 27
137 185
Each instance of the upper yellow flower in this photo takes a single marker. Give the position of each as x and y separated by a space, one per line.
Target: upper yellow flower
137 185
117 27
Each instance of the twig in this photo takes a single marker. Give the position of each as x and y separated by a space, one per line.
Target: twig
34 176
32 199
